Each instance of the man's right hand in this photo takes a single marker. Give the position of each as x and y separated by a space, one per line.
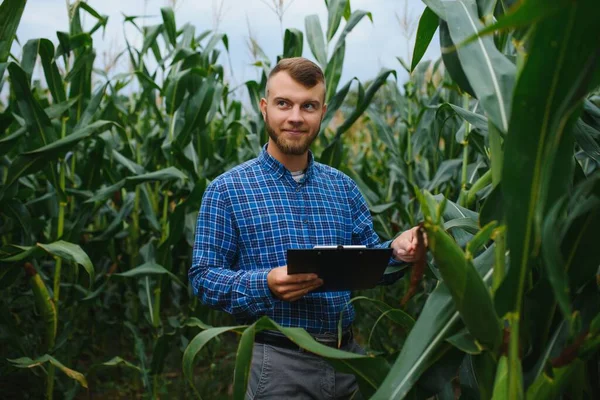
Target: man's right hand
291 287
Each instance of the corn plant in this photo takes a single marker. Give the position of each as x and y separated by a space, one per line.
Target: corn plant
102 178
515 313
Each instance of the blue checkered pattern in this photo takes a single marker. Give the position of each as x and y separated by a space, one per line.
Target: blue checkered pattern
251 215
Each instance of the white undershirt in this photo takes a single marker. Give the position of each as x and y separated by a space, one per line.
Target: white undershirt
297 175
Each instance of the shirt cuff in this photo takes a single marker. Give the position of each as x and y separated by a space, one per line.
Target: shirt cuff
386 245
259 288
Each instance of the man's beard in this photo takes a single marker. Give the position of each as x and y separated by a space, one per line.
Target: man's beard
292 148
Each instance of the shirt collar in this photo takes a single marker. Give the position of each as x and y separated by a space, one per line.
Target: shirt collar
278 169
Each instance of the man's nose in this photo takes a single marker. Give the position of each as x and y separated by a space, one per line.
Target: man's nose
295 115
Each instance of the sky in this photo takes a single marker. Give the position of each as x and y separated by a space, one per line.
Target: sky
369 47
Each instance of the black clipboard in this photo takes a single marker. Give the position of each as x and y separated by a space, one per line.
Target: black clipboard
341 268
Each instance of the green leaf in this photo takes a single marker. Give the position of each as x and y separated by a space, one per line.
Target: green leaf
10 16
523 14
477 120
428 24
355 18
36 120
316 42
26 362
366 100
149 268
587 138
169 23
437 7
293 40
243 360
335 11
368 370
36 160
465 342
471 296
539 147
580 229
72 253
489 72
91 109
45 49
437 321
214 40
7 143
398 316
162 346
571 258
446 171
550 387
463 223
23 253
501 380
127 163
481 238
451 61
119 362
56 111
197 344
381 208
333 71
150 35
335 103
163 175
102 19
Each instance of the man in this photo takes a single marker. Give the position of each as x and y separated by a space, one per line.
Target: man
283 199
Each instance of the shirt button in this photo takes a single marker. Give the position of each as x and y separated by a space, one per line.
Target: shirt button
305 221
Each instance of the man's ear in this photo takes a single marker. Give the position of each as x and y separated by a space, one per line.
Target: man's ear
324 112
263 107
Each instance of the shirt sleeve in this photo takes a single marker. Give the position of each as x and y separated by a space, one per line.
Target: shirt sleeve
364 234
214 280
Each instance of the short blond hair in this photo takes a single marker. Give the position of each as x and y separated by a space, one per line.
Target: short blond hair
300 69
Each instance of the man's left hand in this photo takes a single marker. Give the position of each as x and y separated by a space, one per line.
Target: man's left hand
405 246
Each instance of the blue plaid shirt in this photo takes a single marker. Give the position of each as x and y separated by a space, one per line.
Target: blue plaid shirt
251 215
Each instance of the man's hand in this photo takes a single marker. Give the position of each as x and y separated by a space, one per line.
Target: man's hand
291 287
405 246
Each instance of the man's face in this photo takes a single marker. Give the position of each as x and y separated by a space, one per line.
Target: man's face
292 113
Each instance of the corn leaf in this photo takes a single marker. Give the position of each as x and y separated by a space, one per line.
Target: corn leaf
355 18
293 41
169 23
70 252
489 72
368 370
428 24
149 268
333 71
436 323
336 10
538 148
316 42
452 62
477 120
26 362
36 120
10 16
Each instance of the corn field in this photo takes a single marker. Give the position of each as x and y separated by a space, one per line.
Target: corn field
494 148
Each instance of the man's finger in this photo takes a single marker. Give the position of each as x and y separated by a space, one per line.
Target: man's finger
298 278
299 293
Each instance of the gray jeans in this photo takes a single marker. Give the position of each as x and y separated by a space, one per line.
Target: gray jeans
285 374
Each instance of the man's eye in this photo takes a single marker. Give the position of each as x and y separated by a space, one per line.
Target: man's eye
309 106
281 103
